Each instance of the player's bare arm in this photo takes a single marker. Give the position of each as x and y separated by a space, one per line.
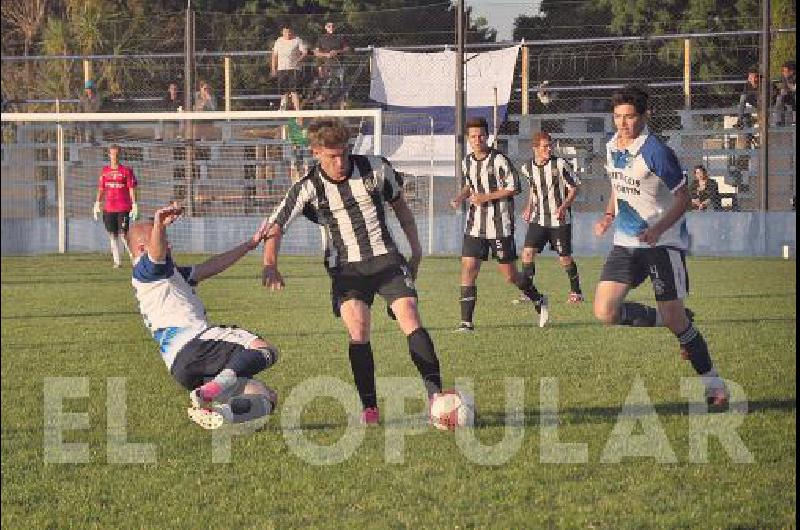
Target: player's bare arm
463 194
157 245
682 202
479 198
270 276
221 262
602 225
572 192
409 226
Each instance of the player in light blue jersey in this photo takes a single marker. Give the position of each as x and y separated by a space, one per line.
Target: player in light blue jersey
647 205
214 363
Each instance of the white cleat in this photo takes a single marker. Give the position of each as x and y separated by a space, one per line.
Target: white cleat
521 299
542 307
211 418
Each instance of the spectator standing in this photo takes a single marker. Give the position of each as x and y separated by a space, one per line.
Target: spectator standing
705 191
173 100
330 46
91 101
287 52
787 89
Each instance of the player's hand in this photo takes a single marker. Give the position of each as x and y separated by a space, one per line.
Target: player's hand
650 235
601 226
97 210
413 264
270 277
134 215
455 203
477 198
561 213
526 215
167 215
259 235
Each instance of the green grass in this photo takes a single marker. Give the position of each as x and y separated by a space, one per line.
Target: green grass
74 316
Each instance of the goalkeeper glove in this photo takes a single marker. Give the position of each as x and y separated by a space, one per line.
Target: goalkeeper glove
97 210
134 212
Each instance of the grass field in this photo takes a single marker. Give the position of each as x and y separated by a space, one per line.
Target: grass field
75 317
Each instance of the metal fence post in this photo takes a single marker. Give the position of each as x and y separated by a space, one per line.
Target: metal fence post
687 74
87 71
227 65
525 78
62 195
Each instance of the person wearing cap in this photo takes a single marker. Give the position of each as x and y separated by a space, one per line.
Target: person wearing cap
90 101
116 201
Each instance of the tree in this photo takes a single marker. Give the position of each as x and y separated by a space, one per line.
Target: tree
24 17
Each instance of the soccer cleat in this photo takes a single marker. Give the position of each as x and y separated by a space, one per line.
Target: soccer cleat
521 299
370 416
465 327
575 298
543 309
211 418
116 265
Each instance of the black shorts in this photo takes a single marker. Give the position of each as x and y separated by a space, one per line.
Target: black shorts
387 275
208 353
558 237
116 222
503 249
665 266
288 81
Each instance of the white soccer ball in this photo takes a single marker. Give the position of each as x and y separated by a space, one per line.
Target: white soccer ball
451 409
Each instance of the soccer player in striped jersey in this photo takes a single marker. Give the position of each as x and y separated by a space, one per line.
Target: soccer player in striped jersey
549 212
491 183
348 194
647 205
116 201
214 363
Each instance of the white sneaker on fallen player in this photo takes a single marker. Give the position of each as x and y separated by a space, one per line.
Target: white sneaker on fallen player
542 307
212 417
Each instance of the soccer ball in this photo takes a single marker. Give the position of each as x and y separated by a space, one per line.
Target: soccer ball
451 409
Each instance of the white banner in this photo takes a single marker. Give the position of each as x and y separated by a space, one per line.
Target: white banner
428 79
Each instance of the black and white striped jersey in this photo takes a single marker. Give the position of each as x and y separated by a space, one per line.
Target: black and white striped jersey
351 211
549 183
493 219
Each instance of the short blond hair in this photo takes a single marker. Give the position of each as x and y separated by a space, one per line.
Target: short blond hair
328 132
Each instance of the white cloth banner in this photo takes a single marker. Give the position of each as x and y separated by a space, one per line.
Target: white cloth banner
428 79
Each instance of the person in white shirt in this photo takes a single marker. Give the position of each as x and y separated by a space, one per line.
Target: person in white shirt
287 53
216 364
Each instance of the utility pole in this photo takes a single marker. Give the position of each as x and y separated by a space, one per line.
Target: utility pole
460 97
763 111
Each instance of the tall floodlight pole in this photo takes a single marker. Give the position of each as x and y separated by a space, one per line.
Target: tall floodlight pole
459 107
763 111
188 57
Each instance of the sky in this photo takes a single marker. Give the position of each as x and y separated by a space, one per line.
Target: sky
501 13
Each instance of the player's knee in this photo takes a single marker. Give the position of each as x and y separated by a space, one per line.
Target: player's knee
605 313
528 254
266 349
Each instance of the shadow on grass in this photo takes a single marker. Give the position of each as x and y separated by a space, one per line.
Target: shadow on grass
566 416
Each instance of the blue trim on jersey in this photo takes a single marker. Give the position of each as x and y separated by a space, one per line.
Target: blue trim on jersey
621 158
661 161
146 270
628 220
164 337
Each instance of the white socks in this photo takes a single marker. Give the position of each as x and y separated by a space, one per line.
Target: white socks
114 249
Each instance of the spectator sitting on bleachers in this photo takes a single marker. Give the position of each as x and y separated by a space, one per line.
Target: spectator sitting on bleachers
704 191
786 92
173 100
204 99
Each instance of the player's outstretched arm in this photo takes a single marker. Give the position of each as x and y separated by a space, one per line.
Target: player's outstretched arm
220 262
270 276
157 245
601 226
409 226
